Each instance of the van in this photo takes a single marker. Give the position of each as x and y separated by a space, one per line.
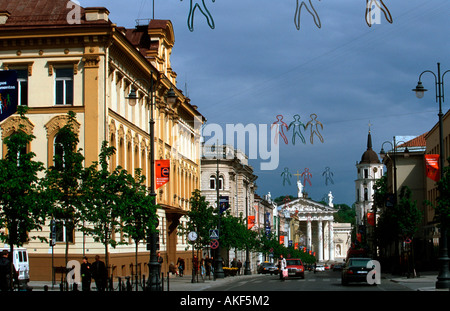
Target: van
20 261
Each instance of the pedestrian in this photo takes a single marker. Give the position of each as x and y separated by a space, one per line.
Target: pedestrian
160 261
5 272
194 265
86 275
208 267
282 266
239 266
99 274
180 264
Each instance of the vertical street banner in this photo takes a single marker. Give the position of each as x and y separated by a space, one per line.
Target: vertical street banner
224 203
8 93
371 219
432 166
162 170
251 222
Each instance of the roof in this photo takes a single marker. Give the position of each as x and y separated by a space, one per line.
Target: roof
418 141
369 156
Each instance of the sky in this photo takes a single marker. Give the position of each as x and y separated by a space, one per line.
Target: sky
255 64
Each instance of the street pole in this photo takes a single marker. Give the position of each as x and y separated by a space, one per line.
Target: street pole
443 281
247 270
219 274
155 266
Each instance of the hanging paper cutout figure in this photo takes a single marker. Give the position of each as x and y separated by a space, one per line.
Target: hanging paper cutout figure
328 176
280 126
297 129
202 7
314 124
286 176
310 10
306 176
371 11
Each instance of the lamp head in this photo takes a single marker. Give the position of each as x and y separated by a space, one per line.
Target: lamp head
420 90
171 97
132 97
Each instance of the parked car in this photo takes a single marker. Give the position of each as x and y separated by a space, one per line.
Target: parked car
319 268
295 267
267 267
355 270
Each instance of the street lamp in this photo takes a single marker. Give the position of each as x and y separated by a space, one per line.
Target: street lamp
154 281
218 271
444 273
383 153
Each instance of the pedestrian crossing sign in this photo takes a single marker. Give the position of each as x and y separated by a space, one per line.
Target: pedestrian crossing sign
214 234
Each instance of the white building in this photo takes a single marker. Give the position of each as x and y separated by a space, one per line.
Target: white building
369 170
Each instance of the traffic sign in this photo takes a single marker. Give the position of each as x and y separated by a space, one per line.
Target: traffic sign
214 234
214 244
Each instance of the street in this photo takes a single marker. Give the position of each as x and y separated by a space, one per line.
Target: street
319 281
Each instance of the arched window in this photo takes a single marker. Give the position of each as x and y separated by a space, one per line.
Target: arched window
212 182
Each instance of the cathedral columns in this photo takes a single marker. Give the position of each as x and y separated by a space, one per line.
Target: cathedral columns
331 240
308 232
320 237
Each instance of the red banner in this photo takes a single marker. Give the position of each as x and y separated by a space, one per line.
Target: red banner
162 172
371 219
432 166
251 221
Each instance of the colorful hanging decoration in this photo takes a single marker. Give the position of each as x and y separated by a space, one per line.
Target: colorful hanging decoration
280 125
297 126
311 10
203 9
373 8
286 176
328 174
314 125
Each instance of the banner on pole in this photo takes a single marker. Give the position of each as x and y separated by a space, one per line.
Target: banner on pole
251 222
162 170
432 166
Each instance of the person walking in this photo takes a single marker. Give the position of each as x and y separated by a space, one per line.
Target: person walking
99 274
86 275
282 265
180 264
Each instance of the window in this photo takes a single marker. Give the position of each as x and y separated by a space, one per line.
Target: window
64 86
58 153
212 183
61 234
22 83
366 194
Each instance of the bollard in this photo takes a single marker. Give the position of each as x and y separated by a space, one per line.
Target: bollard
168 281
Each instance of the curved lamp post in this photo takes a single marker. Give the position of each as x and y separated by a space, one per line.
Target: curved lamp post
444 273
154 281
394 147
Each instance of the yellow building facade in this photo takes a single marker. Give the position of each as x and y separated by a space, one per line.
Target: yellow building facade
70 58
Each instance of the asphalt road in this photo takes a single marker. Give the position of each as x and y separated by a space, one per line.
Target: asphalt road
319 281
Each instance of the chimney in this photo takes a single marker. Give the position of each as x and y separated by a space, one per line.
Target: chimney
4 15
96 14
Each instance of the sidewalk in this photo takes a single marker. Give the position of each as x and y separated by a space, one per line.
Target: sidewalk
426 281
174 283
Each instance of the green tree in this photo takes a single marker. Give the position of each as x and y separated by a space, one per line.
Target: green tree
102 200
139 211
201 219
22 206
62 180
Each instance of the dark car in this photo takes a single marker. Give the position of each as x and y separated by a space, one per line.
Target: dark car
355 270
295 268
267 267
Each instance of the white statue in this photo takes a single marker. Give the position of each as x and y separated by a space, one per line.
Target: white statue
330 199
300 189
